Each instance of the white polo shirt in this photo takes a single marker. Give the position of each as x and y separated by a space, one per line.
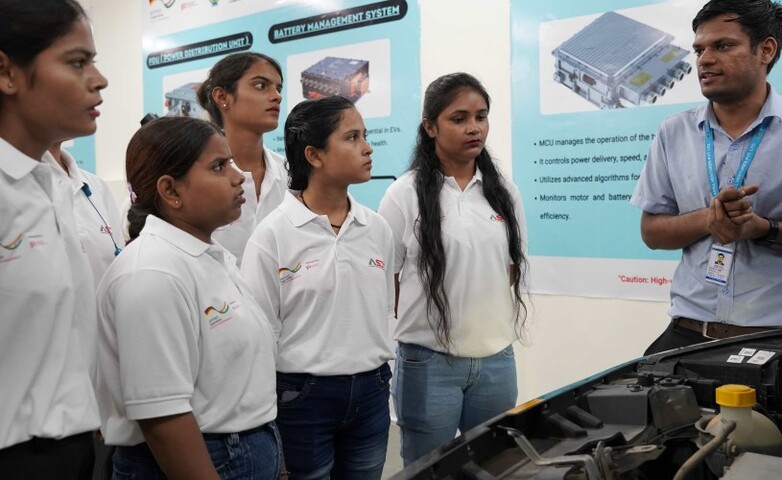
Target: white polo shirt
179 332
330 297
47 306
273 187
477 280
98 222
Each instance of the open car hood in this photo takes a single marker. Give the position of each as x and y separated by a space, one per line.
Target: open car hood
639 420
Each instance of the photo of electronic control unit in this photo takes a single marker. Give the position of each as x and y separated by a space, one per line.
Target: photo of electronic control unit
346 77
183 101
617 62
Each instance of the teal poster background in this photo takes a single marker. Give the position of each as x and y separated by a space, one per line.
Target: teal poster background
298 34
591 83
82 150
577 164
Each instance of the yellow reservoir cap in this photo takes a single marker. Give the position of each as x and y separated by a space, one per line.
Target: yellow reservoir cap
735 396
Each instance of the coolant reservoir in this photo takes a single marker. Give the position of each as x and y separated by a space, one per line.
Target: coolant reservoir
754 431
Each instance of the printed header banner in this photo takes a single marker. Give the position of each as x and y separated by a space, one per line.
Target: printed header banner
592 82
376 41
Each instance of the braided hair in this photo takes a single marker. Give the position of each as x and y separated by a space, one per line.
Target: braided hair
428 184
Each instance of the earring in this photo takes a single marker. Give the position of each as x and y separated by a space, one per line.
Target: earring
10 85
225 105
176 202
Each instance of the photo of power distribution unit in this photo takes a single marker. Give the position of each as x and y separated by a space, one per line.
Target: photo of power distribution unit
617 62
183 101
346 77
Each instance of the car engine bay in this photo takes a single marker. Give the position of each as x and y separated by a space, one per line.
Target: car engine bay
652 418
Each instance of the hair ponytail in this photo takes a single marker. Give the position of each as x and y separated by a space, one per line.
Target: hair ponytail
225 74
164 146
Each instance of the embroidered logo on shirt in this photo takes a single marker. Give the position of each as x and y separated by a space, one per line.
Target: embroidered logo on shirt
39 241
497 218
312 264
105 229
224 308
217 316
377 263
11 246
288 274
286 270
14 244
166 3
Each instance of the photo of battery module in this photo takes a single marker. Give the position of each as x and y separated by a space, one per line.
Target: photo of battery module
346 77
617 62
360 72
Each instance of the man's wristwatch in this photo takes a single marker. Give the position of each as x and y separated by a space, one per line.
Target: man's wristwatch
773 233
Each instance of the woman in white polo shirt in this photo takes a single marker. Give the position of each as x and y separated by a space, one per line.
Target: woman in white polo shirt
49 92
459 234
319 265
186 356
242 94
97 217
100 230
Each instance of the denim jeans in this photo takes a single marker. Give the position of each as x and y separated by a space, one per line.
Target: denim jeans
334 426
436 394
251 455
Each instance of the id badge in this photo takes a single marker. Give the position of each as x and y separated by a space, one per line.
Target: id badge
718 268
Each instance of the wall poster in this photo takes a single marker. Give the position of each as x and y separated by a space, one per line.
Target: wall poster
592 81
369 52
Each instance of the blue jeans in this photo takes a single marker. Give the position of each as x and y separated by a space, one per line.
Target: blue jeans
334 426
251 455
435 394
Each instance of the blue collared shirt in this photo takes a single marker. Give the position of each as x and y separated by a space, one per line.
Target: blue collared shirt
674 182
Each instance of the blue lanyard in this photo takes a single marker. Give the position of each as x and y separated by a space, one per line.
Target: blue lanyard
88 193
741 173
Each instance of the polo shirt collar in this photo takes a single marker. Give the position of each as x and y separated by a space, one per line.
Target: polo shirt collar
273 166
357 214
477 178
274 170
299 215
772 107
179 238
74 173
14 163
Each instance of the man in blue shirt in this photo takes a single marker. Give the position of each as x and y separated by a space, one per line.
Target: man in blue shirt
712 184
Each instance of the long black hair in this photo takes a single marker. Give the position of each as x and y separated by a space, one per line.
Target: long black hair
428 184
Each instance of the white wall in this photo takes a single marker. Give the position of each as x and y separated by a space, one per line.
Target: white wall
568 337
117 29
